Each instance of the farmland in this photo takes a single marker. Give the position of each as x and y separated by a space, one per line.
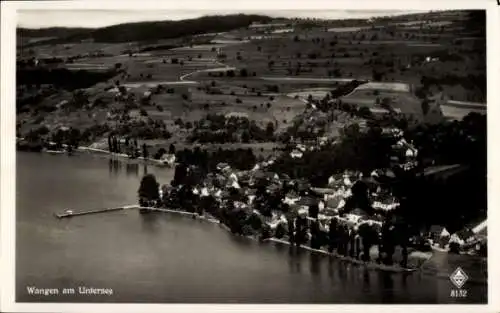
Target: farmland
263 74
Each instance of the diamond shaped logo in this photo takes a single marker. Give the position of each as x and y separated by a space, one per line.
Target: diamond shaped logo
458 278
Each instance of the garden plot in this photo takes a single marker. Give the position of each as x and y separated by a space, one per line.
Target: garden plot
386 86
346 29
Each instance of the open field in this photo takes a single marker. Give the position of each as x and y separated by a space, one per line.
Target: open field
267 75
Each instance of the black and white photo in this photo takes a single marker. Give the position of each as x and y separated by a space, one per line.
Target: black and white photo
250 156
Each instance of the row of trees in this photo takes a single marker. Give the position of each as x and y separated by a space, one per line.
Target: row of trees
356 151
242 159
216 128
62 78
72 136
149 129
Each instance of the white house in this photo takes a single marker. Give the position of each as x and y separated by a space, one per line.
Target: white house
296 154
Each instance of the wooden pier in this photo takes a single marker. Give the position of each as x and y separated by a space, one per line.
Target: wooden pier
71 214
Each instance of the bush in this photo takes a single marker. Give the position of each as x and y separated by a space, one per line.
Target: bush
149 188
143 112
159 153
179 122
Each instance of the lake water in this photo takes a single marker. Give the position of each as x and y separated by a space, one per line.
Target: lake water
169 258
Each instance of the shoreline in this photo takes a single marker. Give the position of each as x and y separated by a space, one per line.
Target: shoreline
208 218
368 265
95 151
372 265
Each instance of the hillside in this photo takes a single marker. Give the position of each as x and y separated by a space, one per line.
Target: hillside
145 31
59 32
262 73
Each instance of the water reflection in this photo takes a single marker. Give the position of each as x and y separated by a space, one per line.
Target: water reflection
386 286
150 223
404 280
330 268
294 260
315 265
145 169
341 272
366 280
132 169
114 167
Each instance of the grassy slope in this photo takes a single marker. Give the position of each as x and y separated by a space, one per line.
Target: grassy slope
390 44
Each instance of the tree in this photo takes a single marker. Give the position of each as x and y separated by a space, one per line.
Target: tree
365 112
425 106
148 190
377 76
270 129
171 149
245 137
74 137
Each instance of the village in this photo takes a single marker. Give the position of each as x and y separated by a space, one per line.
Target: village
305 132
353 216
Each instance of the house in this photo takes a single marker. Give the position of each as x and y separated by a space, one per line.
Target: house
296 154
439 234
223 166
291 198
481 229
386 205
307 202
463 237
467 235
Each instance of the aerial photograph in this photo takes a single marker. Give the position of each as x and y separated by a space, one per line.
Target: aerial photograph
274 157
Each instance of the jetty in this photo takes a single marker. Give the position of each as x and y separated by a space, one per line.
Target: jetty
69 213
